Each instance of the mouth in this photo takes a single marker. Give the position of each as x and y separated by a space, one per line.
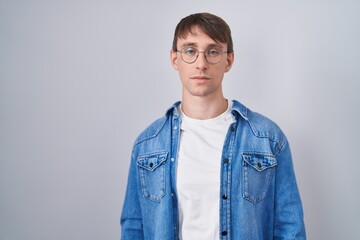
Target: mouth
200 78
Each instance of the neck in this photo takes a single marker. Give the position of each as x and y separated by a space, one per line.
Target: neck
203 107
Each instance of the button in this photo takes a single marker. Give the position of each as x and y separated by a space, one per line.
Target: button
172 194
175 127
259 165
224 197
226 160
232 129
224 233
172 159
151 165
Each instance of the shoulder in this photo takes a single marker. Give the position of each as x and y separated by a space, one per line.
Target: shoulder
156 127
152 130
260 125
264 127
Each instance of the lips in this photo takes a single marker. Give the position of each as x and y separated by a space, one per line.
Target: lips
200 78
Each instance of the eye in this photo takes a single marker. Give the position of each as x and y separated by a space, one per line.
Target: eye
189 51
214 52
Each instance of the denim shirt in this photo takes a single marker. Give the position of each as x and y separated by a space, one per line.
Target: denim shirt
259 198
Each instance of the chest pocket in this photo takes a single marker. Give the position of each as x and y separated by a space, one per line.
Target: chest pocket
258 171
152 175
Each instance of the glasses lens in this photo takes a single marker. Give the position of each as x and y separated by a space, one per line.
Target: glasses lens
189 54
212 55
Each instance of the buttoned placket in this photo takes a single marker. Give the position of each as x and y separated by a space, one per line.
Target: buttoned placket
225 177
225 185
175 141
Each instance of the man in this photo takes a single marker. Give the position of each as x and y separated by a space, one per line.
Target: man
210 168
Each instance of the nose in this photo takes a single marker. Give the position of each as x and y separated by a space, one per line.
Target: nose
201 62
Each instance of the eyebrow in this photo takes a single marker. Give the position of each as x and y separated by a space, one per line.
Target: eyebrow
192 44
188 44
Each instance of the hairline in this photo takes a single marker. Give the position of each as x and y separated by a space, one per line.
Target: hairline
190 30
211 25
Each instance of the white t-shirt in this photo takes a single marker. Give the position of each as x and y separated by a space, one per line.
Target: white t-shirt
198 174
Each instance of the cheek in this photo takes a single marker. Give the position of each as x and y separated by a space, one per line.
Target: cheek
224 68
220 70
183 69
183 74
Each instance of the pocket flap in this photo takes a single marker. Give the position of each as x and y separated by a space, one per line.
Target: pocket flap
259 161
151 161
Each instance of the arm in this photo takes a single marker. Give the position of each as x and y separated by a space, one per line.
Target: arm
131 219
288 221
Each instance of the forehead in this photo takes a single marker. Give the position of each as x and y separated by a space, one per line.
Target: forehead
198 38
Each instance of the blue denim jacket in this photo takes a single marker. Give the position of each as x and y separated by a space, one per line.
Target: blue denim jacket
259 198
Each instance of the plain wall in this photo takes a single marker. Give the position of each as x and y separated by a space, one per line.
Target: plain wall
79 80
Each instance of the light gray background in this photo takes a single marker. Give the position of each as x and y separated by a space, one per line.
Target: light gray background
80 79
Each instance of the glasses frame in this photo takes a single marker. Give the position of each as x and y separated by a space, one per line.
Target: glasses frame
198 53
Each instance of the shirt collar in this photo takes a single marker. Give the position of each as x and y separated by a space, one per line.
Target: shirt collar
237 107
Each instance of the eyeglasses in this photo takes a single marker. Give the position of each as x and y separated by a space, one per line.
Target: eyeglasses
191 54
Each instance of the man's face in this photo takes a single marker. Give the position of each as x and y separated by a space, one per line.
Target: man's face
200 78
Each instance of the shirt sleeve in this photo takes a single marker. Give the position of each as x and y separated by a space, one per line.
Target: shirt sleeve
289 223
131 219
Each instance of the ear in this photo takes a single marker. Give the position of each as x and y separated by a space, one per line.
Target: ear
229 61
174 59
